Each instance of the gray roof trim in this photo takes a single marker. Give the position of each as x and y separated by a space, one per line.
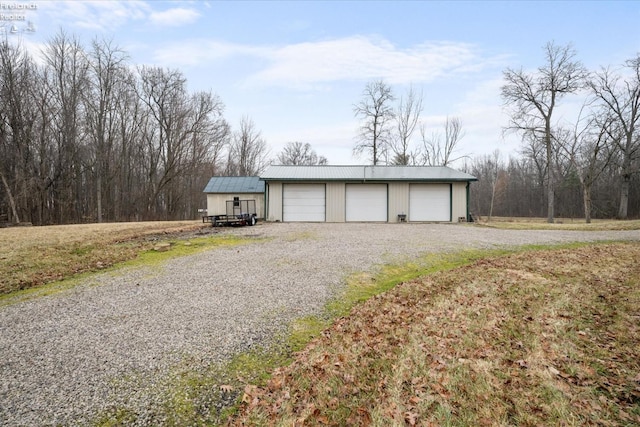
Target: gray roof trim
234 185
365 173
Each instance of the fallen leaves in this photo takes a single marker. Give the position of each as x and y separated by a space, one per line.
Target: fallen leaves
226 388
519 337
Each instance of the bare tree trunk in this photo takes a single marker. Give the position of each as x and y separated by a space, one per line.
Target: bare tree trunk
586 195
12 202
624 196
533 98
494 179
493 196
99 196
550 180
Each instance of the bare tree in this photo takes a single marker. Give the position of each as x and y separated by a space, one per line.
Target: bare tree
297 153
493 163
17 117
620 99
588 149
163 93
178 138
376 114
106 71
439 149
207 135
248 151
407 118
533 99
130 154
67 81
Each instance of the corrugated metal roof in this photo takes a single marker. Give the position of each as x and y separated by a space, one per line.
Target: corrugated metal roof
235 184
364 173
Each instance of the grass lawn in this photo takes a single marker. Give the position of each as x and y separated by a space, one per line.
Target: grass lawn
550 337
32 256
577 224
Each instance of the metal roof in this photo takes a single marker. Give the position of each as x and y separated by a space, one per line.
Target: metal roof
364 173
235 184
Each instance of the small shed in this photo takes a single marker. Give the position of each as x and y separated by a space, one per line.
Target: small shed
366 194
223 188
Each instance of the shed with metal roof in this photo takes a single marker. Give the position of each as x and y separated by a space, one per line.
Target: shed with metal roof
366 193
219 189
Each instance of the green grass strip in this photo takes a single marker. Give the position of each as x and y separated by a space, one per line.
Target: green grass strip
177 248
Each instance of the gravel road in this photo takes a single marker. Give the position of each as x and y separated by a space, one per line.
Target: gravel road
64 358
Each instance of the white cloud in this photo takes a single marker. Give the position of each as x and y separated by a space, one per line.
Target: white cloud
357 58
94 15
174 17
365 58
111 15
197 52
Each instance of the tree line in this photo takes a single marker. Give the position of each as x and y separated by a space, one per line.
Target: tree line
574 164
86 136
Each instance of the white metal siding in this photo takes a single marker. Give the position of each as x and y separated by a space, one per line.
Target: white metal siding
366 202
459 201
398 200
303 202
274 201
430 202
335 201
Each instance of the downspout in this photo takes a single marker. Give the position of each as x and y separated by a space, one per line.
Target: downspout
450 202
266 200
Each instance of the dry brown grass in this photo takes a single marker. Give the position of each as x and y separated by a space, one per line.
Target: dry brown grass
521 223
31 256
536 338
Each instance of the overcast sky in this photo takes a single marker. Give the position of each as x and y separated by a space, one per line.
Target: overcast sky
297 68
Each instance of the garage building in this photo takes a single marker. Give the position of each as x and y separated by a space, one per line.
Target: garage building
366 194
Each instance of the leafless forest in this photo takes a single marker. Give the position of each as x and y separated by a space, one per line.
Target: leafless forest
571 165
88 136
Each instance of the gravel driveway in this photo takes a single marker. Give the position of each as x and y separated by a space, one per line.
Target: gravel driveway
63 357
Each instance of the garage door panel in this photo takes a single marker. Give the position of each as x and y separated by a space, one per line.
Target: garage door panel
430 202
308 204
303 202
366 202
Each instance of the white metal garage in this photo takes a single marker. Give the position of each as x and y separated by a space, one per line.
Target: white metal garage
430 202
366 202
365 193
303 202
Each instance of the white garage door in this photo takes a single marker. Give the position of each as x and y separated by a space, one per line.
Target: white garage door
430 202
366 202
303 202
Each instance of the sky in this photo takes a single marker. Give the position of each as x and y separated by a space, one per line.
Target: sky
297 68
